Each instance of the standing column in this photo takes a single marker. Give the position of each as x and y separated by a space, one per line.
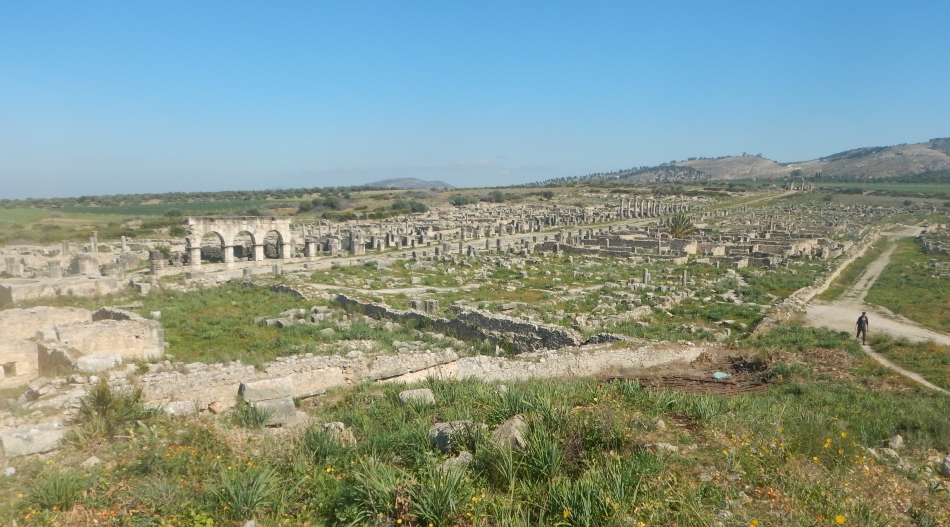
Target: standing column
258 252
194 256
228 251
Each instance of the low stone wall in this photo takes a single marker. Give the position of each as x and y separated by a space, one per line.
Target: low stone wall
25 323
19 289
472 324
217 384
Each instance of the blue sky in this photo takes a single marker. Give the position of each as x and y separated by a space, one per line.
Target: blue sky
102 98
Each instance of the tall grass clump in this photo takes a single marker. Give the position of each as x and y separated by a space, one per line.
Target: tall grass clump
247 415
104 413
436 498
53 490
246 492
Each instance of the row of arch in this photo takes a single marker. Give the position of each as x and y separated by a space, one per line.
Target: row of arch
217 239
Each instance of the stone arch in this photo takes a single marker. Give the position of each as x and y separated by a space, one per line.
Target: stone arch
274 245
212 246
235 229
244 242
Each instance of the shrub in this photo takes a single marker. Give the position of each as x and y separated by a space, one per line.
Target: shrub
104 412
248 491
54 489
249 416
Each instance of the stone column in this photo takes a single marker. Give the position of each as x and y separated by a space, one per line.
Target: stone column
258 252
55 270
286 251
94 242
228 253
194 255
65 247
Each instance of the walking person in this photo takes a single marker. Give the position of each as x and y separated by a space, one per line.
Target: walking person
862 325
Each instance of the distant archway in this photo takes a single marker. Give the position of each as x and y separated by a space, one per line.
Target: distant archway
246 232
212 247
273 245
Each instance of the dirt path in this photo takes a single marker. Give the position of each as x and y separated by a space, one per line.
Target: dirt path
909 374
842 314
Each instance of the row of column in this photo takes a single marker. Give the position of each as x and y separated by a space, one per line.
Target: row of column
649 208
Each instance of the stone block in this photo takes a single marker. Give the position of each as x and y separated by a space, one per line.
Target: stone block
29 440
422 395
267 389
17 369
98 362
445 435
510 433
180 408
281 410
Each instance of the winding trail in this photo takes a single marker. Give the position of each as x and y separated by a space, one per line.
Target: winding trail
842 314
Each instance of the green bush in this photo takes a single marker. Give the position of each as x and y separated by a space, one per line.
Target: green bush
53 488
104 413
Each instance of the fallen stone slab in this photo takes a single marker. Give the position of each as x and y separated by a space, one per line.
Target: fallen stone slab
180 408
266 389
282 411
422 395
98 362
27 440
444 435
510 433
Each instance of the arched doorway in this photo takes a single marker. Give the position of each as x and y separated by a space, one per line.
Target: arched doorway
273 246
212 248
244 246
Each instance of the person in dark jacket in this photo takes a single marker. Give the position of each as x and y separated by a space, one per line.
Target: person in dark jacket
862 325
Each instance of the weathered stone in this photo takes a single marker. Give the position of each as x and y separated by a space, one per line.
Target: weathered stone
266 389
98 362
663 448
896 442
281 411
511 433
459 462
422 395
339 434
91 462
180 408
28 440
327 332
444 435
945 467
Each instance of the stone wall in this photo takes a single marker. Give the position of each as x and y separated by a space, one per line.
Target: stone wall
25 323
472 324
217 384
19 289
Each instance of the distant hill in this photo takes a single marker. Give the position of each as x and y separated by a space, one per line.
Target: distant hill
860 163
932 157
410 184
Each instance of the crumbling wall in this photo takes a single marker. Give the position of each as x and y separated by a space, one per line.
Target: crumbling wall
472 324
24 323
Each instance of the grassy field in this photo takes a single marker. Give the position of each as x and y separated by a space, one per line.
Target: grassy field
850 275
912 287
198 208
596 455
930 360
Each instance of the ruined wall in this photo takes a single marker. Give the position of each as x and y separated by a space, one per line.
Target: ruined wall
19 289
24 323
207 384
18 360
472 324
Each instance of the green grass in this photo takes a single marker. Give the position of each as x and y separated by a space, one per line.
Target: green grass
850 275
196 208
796 450
912 287
928 359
